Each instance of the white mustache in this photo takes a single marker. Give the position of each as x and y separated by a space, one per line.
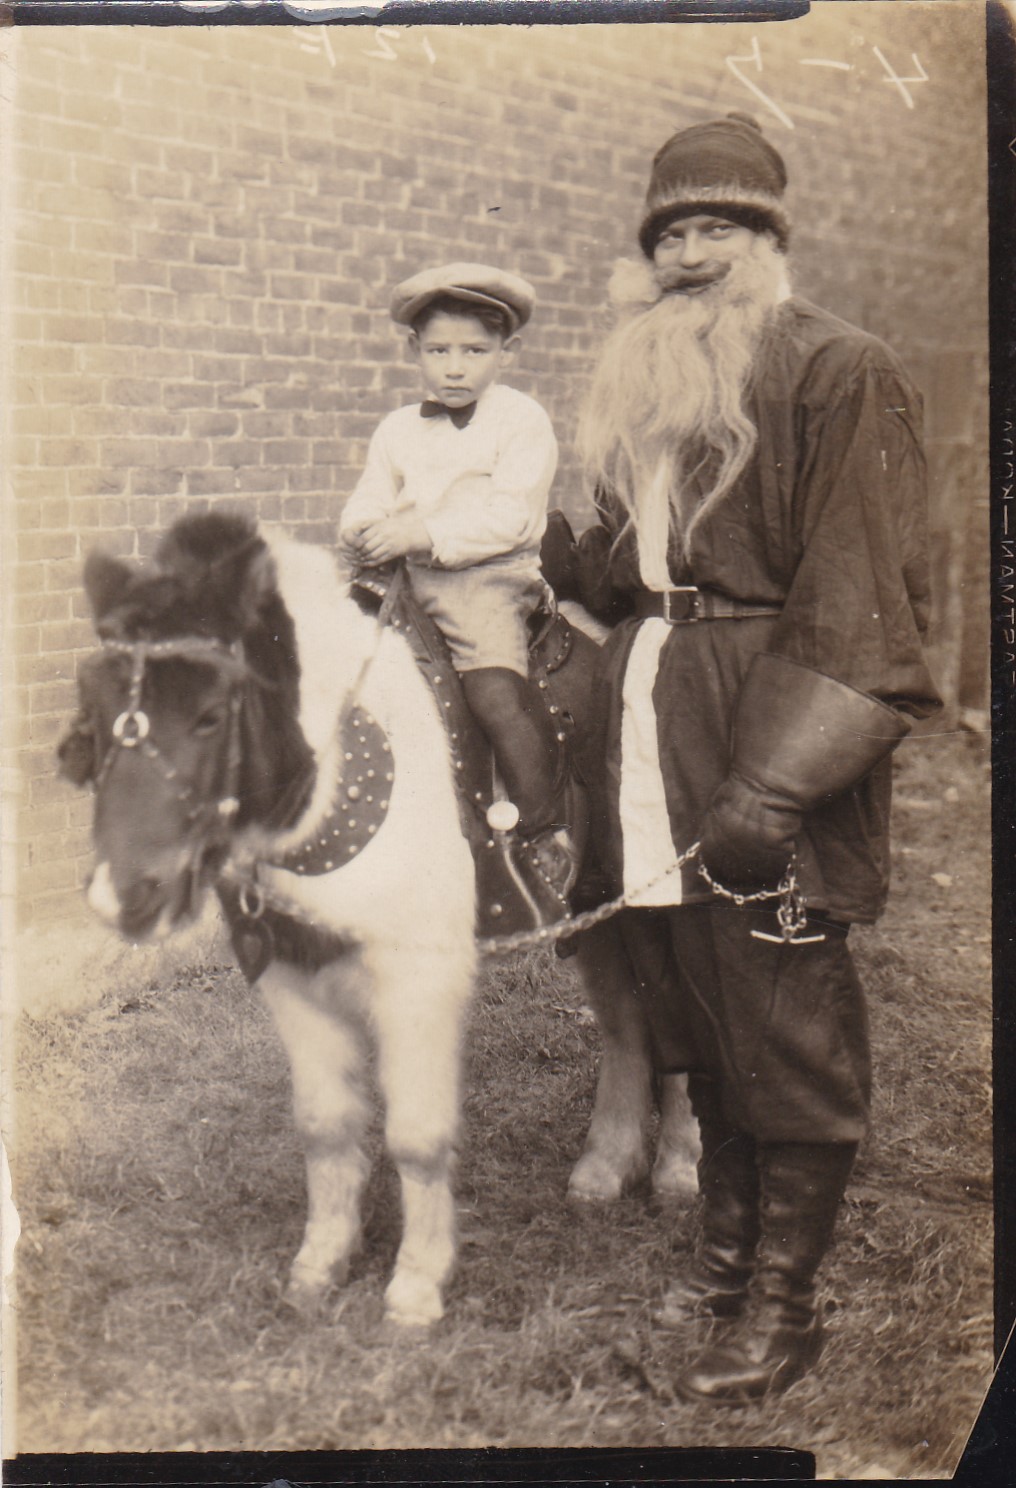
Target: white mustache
679 279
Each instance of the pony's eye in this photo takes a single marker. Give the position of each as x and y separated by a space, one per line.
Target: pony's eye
210 721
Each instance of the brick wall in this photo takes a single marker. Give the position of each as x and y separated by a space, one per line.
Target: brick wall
208 220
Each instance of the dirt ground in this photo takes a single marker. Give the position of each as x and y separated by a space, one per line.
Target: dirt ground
160 1192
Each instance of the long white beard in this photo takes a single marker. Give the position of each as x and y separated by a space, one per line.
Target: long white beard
664 427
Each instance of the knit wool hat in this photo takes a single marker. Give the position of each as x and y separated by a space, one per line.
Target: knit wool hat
726 167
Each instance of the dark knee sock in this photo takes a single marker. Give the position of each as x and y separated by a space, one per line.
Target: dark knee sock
523 739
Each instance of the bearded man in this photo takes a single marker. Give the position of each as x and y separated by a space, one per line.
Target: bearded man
761 485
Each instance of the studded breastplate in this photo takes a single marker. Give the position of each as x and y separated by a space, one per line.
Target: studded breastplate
360 805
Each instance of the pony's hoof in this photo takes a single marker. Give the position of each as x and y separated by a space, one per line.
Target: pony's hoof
303 1298
596 1180
306 1291
675 1177
413 1302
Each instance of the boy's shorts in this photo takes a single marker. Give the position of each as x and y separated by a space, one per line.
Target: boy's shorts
482 610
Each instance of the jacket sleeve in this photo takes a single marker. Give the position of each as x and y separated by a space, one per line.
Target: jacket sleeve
857 607
490 516
596 566
376 492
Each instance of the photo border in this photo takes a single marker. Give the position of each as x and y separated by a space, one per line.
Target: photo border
991 1450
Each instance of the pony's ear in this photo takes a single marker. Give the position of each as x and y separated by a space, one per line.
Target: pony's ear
107 580
77 751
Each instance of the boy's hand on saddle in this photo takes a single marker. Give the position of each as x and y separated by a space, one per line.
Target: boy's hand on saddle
349 545
399 536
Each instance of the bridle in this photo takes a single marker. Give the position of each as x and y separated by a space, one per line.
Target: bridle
207 821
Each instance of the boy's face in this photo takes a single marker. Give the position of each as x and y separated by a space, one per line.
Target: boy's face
459 356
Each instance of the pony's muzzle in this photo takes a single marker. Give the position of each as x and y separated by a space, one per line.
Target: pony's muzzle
141 906
102 897
139 910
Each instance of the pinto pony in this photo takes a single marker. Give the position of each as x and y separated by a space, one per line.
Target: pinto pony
247 726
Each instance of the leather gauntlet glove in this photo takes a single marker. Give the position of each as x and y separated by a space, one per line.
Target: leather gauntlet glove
800 739
749 834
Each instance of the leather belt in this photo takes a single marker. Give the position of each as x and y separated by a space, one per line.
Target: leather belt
685 603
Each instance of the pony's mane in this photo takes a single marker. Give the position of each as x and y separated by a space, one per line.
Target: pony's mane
203 539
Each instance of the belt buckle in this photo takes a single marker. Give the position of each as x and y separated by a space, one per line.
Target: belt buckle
686 611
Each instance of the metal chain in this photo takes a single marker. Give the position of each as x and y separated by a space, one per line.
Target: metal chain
256 898
791 915
574 924
787 885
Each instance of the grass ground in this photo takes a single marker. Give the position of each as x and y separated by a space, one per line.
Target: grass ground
159 1185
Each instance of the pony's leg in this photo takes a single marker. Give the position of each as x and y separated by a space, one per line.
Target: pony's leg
420 1003
616 1153
328 1063
675 1172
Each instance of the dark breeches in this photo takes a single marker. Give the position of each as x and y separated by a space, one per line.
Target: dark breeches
783 1029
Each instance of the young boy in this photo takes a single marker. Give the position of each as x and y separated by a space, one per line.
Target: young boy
458 487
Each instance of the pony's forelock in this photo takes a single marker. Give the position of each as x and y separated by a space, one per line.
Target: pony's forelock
202 540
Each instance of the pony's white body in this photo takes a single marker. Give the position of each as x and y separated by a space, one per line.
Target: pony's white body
407 899
420 860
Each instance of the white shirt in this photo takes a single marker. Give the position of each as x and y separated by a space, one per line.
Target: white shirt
481 491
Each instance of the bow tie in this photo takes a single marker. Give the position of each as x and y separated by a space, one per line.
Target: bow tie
459 416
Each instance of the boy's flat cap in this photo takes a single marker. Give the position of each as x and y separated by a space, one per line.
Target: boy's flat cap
475 284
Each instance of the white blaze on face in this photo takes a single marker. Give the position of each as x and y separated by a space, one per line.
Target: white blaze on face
102 895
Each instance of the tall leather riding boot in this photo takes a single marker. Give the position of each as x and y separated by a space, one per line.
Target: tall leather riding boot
534 768
779 1334
520 731
717 1284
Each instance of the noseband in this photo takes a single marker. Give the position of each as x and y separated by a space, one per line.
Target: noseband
132 728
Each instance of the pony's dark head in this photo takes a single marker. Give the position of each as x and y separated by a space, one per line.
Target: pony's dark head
188 723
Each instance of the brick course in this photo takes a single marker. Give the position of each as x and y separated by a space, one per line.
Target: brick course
207 221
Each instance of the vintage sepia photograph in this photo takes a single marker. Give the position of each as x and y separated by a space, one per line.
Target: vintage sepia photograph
430 1025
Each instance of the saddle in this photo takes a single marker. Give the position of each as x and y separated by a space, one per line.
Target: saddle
511 896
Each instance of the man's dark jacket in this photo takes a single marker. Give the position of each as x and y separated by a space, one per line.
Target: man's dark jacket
827 521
